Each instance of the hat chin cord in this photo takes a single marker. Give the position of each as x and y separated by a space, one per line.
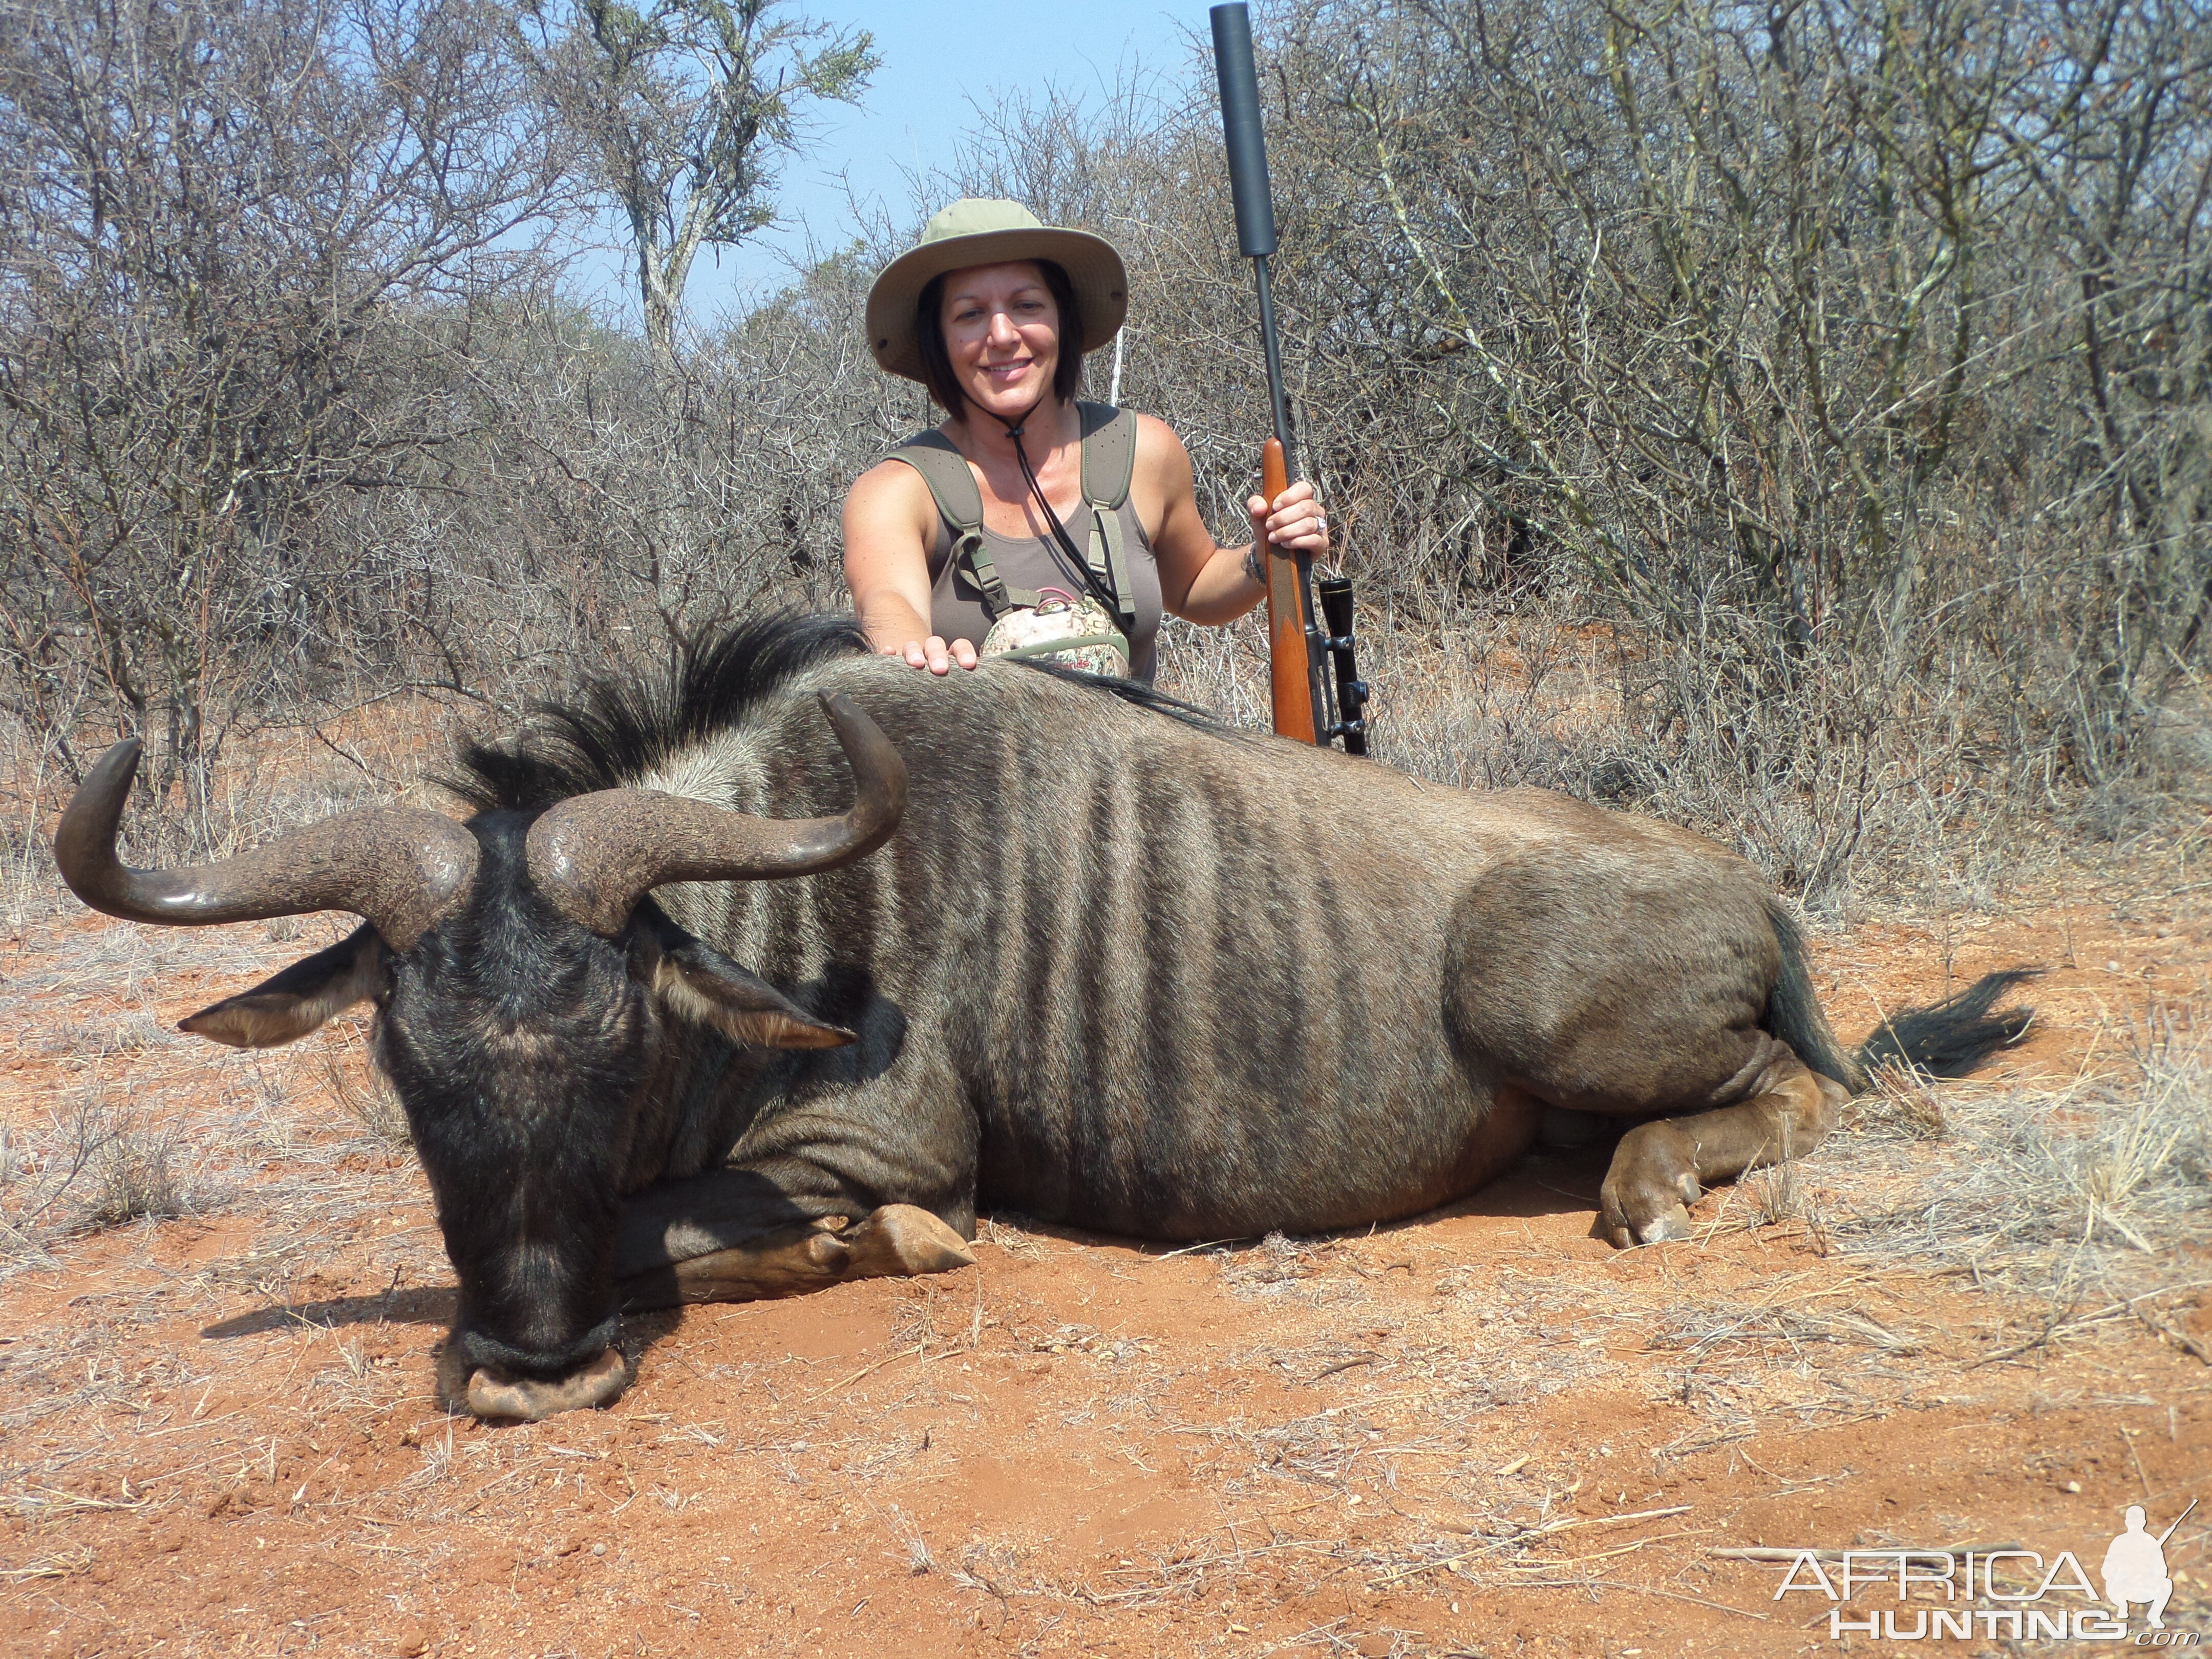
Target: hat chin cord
1065 550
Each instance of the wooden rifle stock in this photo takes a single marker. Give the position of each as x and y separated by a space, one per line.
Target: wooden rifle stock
1289 664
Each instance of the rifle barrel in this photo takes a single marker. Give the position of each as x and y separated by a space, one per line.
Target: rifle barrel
2178 1520
1252 194
1240 127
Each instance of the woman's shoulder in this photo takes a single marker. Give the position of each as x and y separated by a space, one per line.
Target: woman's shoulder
890 493
1160 454
889 479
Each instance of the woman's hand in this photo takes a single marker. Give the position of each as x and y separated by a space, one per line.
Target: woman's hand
1294 524
934 654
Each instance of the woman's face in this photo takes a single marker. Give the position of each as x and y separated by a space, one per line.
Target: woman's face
1002 335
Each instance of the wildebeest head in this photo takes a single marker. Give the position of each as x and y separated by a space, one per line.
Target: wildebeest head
521 972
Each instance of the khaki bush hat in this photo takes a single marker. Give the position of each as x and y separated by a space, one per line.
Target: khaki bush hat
976 231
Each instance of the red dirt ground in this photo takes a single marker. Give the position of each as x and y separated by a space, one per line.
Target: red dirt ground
1482 1432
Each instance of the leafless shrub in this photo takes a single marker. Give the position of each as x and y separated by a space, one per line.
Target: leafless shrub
224 232
1727 417
102 1162
1566 287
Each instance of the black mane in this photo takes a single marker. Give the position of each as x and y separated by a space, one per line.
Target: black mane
615 728
1139 695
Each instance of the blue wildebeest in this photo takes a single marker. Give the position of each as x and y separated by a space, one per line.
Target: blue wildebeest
715 996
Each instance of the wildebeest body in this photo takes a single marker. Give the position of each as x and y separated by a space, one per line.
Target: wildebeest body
1117 966
1121 971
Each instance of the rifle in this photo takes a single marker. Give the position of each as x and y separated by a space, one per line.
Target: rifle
1296 649
2178 1520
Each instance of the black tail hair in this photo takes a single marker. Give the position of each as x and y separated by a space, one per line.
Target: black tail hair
1793 1008
1956 1034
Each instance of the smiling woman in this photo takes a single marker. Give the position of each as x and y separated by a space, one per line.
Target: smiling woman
1029 521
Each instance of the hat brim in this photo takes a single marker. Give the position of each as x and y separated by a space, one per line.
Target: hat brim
1093 263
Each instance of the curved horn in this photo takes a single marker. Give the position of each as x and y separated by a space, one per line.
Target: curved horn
594 856
397 868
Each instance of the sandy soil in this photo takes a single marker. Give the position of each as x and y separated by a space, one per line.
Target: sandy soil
1482 1433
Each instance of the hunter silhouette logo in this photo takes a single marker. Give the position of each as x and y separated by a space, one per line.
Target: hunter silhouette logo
2135 1567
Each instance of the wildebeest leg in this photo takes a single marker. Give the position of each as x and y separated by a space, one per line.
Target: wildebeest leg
736 1236
1662 1167
897 1240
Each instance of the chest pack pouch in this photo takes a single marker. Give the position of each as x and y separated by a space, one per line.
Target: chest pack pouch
1046 622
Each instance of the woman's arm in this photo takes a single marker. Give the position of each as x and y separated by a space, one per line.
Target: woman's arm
888 520
1199 580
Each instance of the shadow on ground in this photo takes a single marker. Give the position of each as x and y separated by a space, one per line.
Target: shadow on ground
416 1307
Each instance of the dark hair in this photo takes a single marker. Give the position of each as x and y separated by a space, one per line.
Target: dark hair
937 364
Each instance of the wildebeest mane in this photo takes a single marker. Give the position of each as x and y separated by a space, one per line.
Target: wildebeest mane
617 729
1141 696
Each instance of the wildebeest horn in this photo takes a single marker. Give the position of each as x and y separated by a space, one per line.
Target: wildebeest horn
397 868
594 856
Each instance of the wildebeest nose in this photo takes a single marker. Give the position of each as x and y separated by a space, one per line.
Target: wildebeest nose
493 1395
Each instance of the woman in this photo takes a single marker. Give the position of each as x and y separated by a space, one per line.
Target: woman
992 311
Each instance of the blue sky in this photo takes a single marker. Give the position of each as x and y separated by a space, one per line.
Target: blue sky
939 61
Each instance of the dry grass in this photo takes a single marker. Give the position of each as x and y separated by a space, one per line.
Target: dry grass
362 1092
2097 1185
98 1161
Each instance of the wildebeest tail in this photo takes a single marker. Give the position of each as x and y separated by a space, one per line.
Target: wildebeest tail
1949 1039
1953 1036
1793 1010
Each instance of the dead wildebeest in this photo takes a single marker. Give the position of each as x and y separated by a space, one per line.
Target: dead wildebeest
1065 951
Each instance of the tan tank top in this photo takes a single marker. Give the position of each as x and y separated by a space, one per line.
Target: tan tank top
1018 569
957 611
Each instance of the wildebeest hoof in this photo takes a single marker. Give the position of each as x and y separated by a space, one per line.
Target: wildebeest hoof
902 1239
785 1262
1648 1190
492 1394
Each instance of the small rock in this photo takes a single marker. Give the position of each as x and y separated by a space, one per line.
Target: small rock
598 1549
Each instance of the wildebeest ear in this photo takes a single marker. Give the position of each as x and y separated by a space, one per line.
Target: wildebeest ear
698 983
298 999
